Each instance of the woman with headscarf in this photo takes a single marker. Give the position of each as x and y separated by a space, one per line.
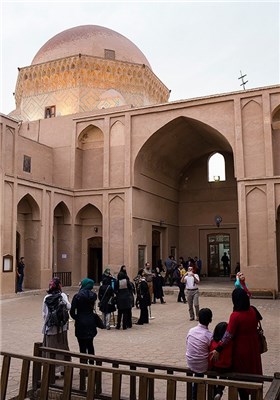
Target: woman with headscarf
106 298
82 312
242 330
241 284
55 336
123 289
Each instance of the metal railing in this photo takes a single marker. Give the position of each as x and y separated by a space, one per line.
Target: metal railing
65 278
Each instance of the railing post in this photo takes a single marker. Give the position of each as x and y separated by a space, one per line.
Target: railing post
132 392
5 376
151 386
37 367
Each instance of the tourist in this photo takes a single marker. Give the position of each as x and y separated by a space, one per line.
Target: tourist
82 307
241 284
242 330
20 274
144 299
158 282
191 281
106 298
198 345
123 290
55 336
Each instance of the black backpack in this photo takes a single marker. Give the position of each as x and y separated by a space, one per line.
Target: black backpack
57 311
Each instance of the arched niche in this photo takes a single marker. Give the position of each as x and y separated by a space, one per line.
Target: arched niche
90 158
62 239
276 140
29 234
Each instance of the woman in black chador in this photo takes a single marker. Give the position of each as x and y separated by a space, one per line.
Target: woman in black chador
123 289
158 282
82 312
144 299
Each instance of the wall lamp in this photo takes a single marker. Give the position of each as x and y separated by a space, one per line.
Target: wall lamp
95 229
218 220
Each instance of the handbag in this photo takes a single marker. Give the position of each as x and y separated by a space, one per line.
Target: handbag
262 339
98 321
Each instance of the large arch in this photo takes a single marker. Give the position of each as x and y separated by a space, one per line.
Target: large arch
88 244
173 192
28 239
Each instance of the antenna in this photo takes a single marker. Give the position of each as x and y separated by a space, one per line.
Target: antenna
242 77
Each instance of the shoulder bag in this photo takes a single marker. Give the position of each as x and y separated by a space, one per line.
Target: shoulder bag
262 338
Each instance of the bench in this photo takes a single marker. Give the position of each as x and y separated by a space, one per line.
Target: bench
263 293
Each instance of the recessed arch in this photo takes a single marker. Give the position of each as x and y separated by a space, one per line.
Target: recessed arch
62 212
91 137
27 205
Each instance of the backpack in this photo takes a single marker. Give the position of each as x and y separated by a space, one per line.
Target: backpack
57 311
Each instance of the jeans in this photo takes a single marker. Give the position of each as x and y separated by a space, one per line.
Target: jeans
20 282
86 346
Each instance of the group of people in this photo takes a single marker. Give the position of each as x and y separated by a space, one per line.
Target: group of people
113 294
233 346
172 267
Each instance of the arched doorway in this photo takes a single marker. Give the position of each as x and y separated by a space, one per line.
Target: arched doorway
156 247
88 237
28 240
95 258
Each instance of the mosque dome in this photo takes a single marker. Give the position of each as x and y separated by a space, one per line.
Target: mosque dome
90 40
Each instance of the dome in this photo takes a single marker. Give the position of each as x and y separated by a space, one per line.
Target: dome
90 40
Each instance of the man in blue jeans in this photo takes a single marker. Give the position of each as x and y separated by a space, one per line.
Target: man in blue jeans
198 344
20 274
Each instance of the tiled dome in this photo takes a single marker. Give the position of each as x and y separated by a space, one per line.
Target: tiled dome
91 40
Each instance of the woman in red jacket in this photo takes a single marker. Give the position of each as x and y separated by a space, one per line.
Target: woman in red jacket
242 331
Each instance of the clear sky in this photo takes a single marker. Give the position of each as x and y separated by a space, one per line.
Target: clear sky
195 48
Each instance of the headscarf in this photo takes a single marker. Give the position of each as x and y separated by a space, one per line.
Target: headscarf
240 299
54 285
87 284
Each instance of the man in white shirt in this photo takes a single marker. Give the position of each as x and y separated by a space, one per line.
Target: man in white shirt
198 344
191 281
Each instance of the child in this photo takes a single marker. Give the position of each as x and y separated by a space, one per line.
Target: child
223 364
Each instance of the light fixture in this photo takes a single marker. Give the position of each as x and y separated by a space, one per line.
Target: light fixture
218 220
95 229
216 178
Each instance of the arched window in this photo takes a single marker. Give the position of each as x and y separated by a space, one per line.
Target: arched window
216 168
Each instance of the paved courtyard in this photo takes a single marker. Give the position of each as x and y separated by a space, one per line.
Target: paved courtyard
162 341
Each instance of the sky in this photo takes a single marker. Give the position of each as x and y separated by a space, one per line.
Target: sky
195 48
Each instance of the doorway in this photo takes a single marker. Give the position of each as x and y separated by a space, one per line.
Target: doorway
95 259
155 248
218 244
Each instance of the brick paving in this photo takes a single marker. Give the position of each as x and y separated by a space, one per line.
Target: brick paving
161 341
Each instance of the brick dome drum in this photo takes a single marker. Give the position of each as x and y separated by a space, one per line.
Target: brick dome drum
85 69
